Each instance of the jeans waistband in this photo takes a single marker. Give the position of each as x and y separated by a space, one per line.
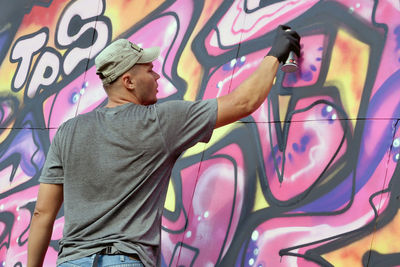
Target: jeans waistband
111 250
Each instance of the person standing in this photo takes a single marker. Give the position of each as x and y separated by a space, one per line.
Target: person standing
111 166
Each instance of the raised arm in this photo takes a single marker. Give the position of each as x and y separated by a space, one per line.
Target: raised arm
249 95
48 204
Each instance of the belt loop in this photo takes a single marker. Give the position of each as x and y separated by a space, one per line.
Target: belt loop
96 260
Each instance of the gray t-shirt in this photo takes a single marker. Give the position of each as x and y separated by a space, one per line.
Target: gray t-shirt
115 164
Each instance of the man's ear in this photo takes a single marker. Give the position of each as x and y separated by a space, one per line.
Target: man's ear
128 81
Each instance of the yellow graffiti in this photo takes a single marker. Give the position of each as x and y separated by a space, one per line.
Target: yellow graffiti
259 200
348 71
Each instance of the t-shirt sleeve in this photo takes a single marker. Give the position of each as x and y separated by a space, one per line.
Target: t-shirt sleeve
53 172
185 123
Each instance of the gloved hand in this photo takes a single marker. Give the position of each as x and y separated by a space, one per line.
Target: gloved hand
286 40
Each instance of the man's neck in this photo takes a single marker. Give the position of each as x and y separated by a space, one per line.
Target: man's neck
119 99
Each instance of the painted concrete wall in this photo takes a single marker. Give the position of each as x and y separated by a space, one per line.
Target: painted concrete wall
310 179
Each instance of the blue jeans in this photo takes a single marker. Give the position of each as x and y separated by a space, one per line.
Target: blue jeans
104 260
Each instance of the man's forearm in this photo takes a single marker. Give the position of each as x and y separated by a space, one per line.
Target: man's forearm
49 201
39 238
254 90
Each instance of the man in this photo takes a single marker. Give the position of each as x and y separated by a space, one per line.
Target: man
111 166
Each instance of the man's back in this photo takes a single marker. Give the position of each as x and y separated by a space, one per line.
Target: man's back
116 164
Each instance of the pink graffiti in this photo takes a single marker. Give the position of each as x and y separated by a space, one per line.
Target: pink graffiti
272 236
212 216
237 26
276 234
17 237
388 13
6 112
358 8
311 144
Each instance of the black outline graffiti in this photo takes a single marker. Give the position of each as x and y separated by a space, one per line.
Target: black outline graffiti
30 118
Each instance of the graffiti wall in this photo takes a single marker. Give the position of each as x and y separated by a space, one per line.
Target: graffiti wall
309 179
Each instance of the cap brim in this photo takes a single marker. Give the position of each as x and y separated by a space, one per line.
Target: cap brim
149 55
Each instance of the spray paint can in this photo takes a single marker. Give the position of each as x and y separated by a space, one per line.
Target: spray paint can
290 64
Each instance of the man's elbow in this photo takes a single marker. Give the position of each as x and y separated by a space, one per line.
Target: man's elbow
43 217
37 216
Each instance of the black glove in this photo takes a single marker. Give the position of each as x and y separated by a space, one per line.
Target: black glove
286 40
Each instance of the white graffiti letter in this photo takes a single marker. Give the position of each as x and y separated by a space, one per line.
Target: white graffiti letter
45 73
86 10
23 52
